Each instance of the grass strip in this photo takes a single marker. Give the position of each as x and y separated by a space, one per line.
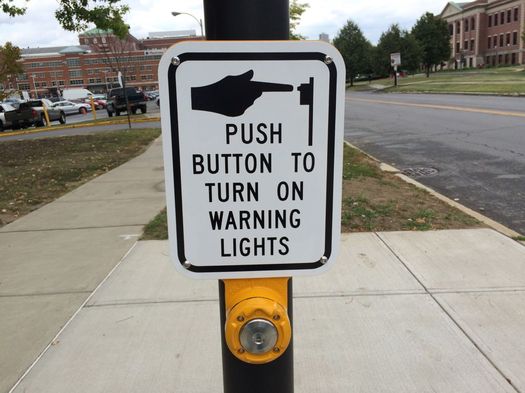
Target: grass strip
35 172
374 200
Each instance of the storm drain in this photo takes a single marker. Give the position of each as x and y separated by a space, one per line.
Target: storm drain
420 172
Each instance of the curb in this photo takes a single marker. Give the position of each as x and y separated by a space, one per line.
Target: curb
480 217
461 93
79 125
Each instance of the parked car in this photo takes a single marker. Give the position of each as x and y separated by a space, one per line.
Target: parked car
72 108
54 114
117 101
16 116
99 100
151 95
76 93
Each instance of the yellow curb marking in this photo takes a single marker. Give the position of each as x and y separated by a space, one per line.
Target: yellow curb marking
442 107
79 125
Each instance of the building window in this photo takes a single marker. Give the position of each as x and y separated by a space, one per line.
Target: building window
457 47
451 29
465 23
465 45
23 86
489 42
76 82
61 83
75 73
500 59
507 58
470 64
73 62
508 38
502 17
95 40
490 20
487 60
501 40
496 19
513 58
458 27
472 45
509 16
516 14
515 38
472 24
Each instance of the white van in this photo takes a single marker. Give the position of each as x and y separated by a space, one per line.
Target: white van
76 94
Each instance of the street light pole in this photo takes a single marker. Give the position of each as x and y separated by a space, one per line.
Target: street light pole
34 84
199 21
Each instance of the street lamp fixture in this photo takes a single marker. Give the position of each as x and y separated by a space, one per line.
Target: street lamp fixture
199 21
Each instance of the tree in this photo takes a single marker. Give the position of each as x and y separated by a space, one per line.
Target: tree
396 40
118 56
9 65
296 12
434 38
355 49
75 15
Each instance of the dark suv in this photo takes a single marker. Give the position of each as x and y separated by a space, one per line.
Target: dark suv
117 102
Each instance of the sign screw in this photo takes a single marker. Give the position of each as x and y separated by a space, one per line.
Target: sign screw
276 349
241 350
240 318
323 260
175 61
186 264
328 60
276 317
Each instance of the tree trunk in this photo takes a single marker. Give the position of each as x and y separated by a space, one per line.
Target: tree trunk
427 67
351 81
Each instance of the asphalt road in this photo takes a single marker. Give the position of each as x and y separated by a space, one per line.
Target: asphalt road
73 119
476 144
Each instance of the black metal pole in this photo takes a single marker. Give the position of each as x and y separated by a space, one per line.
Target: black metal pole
251 20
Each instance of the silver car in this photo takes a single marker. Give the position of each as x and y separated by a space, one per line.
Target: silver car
72 108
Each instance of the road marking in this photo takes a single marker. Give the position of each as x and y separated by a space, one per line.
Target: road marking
442 107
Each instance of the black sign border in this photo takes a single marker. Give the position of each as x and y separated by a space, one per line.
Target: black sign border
253 56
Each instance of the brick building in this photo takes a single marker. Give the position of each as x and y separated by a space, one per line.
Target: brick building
94 62
486 32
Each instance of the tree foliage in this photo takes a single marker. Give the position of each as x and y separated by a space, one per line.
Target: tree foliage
397 40
434 38
355 49
76 15
296 12
9 64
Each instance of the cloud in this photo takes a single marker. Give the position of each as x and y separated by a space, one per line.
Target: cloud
40 28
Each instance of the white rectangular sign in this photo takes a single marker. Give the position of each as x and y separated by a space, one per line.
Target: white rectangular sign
252 135
395 59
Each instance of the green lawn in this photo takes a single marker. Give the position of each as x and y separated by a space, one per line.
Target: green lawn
502 80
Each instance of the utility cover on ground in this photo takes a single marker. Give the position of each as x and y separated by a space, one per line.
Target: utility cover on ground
252 135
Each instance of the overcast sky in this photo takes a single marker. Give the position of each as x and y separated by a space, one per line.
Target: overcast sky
39 27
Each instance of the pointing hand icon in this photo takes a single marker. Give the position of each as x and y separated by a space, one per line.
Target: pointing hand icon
232 95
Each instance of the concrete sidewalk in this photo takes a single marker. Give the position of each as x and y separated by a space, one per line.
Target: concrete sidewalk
400 312
55 257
